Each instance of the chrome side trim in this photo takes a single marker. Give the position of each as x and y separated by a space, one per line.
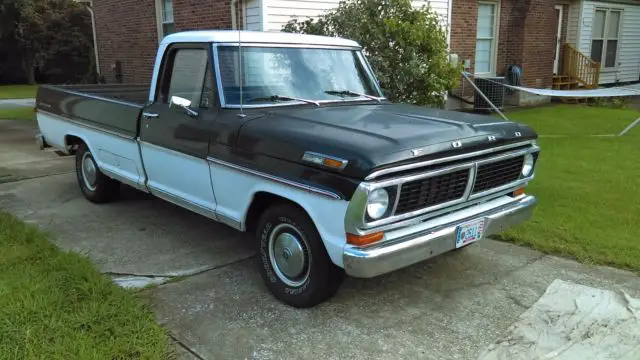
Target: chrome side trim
276 179
183 203
91 96
87 126
236 224
378 173
124 180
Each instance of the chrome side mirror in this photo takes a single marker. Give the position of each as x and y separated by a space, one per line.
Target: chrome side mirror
184 104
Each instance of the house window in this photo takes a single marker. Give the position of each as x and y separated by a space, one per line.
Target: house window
486 38
166 7
604 36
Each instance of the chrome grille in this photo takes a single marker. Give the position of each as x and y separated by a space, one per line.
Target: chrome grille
496 174
432 191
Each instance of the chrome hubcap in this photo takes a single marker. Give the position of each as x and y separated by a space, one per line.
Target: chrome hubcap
89 171
289 255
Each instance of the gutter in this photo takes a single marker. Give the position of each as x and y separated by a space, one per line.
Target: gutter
234 22
95 40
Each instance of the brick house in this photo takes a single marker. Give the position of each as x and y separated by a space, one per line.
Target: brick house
486 35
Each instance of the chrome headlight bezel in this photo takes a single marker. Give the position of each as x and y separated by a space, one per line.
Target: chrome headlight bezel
528 165
378 202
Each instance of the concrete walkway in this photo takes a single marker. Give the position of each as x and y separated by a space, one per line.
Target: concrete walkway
451 307
12 103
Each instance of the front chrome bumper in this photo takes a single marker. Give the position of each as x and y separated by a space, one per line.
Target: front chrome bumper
416 243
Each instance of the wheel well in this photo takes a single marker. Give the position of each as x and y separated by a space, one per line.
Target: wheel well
261 202
71 142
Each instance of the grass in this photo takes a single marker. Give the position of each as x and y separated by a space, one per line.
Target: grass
18 91
575 119
56 305
17 113
588 188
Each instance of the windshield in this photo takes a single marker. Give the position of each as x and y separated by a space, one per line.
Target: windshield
279 75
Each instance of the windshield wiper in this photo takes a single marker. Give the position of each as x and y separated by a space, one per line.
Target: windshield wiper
276 98
352 93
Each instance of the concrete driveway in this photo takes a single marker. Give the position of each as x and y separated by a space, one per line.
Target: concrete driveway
451 307
11 103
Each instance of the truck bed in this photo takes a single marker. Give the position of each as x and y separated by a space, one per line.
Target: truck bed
114 108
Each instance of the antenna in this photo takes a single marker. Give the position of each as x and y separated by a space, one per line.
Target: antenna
240 69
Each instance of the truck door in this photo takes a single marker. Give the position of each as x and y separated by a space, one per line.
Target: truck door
175 129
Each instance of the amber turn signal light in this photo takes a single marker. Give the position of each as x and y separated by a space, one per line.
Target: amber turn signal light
360 240
518 192
332 163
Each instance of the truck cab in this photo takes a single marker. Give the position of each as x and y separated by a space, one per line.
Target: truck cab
289 137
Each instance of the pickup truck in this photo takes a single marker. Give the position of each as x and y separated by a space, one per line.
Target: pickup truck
290 137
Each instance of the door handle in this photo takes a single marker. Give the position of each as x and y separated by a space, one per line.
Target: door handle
150 115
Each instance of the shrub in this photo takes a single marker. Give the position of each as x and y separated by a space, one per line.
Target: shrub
406 46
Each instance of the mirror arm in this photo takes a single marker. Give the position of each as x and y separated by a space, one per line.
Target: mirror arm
190 111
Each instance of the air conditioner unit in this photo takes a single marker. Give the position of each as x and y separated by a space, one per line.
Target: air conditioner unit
491 88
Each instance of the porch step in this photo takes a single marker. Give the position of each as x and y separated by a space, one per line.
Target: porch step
564 82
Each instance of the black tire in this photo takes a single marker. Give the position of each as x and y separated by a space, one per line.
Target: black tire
318 280
102 189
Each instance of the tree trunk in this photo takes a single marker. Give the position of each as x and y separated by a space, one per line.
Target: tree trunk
31 76
27 67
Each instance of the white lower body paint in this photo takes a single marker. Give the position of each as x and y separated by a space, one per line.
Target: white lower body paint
236 189
183 178
116 156
571 322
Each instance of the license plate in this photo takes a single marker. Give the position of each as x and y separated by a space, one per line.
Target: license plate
469 232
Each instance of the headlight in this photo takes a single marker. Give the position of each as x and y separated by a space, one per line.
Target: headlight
377 203
527 168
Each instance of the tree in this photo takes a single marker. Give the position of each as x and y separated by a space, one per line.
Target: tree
48 32
406 46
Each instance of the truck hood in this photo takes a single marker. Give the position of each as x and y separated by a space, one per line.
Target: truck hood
374 136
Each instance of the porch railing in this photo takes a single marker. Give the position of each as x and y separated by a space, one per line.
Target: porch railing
581 67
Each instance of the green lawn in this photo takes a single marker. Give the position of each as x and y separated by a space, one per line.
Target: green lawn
18 91
588 188
56 305
17 113
575 119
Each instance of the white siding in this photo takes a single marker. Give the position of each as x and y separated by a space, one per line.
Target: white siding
279 12
629 41
253 16
573 21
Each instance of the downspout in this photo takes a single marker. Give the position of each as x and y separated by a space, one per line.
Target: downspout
234 23
95 40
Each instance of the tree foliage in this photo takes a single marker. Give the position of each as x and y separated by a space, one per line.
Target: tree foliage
49 38
406 46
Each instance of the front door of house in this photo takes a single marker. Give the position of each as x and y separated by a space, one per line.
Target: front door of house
556 61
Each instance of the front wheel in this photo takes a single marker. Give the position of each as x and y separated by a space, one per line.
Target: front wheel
95 186
293 260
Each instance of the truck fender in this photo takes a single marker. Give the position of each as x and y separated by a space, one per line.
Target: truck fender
326 213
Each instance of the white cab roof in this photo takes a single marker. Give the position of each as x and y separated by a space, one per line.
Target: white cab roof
231 36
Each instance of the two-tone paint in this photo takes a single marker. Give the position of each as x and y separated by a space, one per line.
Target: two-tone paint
215 162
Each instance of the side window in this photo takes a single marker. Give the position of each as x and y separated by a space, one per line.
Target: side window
190 78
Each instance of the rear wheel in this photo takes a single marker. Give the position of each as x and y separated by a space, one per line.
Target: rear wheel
95 186
292 258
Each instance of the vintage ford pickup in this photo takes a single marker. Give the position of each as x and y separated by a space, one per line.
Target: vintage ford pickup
290 137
